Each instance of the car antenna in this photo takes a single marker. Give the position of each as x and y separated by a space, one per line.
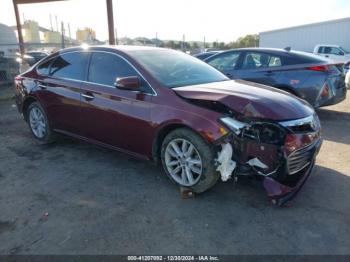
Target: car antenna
288 48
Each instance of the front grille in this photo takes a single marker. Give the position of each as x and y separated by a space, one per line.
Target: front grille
300 159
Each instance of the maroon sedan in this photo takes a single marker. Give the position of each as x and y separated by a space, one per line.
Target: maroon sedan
173 109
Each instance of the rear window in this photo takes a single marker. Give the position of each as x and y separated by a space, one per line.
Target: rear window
70 66
296 58
43 69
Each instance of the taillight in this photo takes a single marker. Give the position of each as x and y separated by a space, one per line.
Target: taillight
18 80
325 91
322 68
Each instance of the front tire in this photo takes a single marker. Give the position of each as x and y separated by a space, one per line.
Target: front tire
188 160
39 124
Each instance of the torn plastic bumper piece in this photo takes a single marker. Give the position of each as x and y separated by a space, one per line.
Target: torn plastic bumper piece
225 163
280 194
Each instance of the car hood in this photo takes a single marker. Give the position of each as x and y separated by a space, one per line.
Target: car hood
250 99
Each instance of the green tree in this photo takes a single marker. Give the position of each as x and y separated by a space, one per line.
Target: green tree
248 41
194 45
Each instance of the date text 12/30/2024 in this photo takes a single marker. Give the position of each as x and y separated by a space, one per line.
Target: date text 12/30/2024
173 258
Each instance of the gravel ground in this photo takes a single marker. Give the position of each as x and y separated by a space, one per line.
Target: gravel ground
74 198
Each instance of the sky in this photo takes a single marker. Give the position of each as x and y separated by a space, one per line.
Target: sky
219 20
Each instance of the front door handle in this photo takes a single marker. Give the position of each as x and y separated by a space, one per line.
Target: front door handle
88 96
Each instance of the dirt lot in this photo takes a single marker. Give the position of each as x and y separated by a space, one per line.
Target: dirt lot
75 198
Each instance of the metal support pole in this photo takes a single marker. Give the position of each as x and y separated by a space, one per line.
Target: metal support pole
62 35
19 28
110 22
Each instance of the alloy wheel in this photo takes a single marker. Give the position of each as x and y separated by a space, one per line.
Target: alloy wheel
37 122
183 162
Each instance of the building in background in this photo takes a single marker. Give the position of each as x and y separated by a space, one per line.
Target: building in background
86 35
8 41
52 37
31 32
306 37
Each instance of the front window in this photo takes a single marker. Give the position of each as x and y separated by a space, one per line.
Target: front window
333 51
226 61
105 68
254 60
345 51
175 69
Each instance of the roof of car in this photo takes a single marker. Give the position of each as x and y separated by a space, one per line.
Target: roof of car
274 51
328 45
123 48
262 49
269 50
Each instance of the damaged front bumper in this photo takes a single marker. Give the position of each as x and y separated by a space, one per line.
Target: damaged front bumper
280 194
282 191
284 167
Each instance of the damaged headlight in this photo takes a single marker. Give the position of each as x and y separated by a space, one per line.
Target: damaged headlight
269 133
234 125
264 132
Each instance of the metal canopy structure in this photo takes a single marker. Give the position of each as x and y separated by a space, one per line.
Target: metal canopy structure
110 19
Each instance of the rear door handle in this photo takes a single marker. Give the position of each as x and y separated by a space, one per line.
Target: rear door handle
88 96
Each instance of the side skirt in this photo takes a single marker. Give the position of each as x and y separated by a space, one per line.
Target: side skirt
98 143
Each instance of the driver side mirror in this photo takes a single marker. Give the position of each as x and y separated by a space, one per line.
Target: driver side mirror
341 53
131 83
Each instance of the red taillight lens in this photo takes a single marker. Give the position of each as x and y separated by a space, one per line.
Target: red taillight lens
322 68
325 91
18 80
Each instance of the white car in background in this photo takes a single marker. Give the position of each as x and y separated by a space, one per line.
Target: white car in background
333 52
337 54
347 74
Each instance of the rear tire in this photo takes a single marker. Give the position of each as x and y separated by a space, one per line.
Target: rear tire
188 160
39 124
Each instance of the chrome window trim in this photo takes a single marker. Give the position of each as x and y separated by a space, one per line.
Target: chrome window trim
88 82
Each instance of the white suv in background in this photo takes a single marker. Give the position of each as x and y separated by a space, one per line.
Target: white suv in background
333 52
347 74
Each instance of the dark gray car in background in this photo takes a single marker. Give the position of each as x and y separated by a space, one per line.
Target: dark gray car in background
318 81
205 55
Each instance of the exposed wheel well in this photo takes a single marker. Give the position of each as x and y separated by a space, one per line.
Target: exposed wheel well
157 143
25 106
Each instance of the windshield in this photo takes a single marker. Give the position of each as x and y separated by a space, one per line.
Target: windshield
174 69
345 51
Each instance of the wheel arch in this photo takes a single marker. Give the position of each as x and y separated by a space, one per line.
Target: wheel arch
160 136
29 100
